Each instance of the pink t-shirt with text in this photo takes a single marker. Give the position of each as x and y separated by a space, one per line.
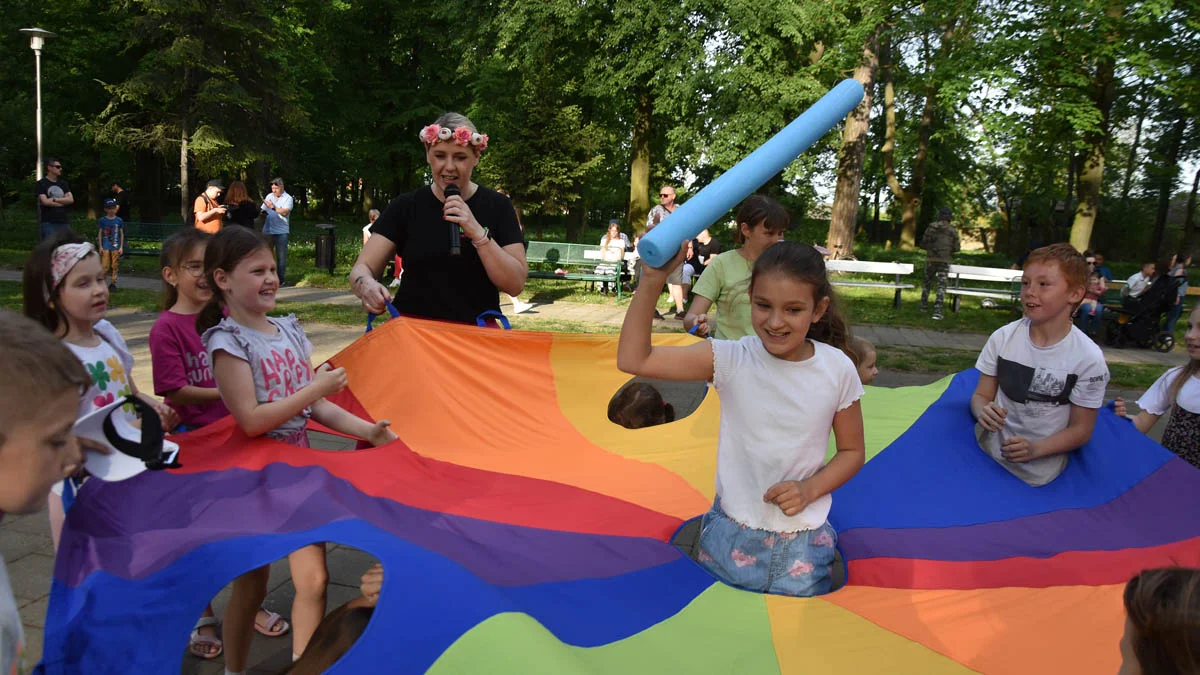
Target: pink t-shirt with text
179 359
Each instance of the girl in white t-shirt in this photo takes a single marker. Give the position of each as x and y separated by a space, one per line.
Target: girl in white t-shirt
1177 392
66 291
782 389
613 245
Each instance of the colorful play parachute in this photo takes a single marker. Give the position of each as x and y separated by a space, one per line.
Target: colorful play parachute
521 532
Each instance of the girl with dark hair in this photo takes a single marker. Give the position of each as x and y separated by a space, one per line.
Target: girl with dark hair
639 405
783 388
333 638
1162 623
761 222
183 377
66 291
262 366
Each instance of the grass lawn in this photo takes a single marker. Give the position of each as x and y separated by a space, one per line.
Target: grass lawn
935 360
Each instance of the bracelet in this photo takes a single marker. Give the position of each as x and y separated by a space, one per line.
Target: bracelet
482 240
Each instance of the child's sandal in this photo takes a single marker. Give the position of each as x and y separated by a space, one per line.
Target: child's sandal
274 626
198 645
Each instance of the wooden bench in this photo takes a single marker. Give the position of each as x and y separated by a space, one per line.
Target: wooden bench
897 270
147 238
1006 284
578 262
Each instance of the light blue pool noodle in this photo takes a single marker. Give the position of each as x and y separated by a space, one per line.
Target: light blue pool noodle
662 243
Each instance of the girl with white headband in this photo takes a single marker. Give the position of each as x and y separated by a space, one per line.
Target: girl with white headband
66 291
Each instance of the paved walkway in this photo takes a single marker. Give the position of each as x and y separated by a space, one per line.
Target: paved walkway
25 540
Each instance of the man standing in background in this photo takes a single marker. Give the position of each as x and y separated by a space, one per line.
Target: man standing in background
278 207
940 243
122 196
54 197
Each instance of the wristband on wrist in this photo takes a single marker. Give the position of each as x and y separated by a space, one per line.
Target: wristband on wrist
482 240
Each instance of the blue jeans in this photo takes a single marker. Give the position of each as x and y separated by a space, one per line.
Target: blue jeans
47 230
1088 322
280 254
783 563
1173 315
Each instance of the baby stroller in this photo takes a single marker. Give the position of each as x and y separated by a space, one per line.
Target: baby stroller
1139 322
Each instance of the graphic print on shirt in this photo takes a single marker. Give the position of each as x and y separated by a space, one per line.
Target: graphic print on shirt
284 374
110 378
1023 384
199 372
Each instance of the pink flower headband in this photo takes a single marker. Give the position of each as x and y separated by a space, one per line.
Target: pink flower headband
460 135
64 258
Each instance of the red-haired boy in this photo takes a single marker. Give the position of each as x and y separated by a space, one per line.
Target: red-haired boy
1043 379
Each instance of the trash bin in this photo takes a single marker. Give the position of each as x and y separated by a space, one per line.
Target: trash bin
326 247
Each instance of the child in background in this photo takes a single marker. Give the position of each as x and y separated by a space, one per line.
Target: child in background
40 392
782 389
1091 310
1043 380
183 377
265 377
1177 391
1162 623
639 405
725 280
111 241
65 291
182 373
862 353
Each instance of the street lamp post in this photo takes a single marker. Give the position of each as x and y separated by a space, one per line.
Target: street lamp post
37 37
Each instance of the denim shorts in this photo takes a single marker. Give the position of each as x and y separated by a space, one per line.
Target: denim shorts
783 563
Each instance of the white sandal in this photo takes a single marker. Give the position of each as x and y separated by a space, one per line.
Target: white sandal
197 642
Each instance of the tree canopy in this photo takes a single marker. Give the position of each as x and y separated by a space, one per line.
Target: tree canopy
1035 120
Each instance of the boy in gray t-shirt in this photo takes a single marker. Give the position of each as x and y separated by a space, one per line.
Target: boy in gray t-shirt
1042 379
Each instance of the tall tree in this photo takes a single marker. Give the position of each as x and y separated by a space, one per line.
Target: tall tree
844 219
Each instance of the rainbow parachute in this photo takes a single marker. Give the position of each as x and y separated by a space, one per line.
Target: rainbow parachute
521 532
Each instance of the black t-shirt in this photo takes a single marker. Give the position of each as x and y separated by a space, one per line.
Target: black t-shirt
437 285
53 214
122 198
705 252
242 214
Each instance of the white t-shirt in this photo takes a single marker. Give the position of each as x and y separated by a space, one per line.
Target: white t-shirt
12 636
1155 401
1037 386
614 250
775 422
110 365
1136 285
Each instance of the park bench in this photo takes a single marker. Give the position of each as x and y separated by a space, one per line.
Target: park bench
1005 284
147 238
894 269
578 262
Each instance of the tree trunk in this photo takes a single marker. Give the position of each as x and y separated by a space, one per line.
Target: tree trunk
1131 160
1191 231
1168 173
1091 178
368 201
184 212
910 197
639 169
842 224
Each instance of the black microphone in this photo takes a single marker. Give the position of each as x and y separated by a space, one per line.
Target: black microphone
452 190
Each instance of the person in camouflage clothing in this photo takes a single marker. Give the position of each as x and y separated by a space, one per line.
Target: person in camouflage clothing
940 243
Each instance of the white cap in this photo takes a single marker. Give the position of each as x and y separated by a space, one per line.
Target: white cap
116 466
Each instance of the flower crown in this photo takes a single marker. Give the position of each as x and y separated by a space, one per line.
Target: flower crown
460 135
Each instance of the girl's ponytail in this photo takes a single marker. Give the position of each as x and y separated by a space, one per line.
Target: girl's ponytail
211 315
